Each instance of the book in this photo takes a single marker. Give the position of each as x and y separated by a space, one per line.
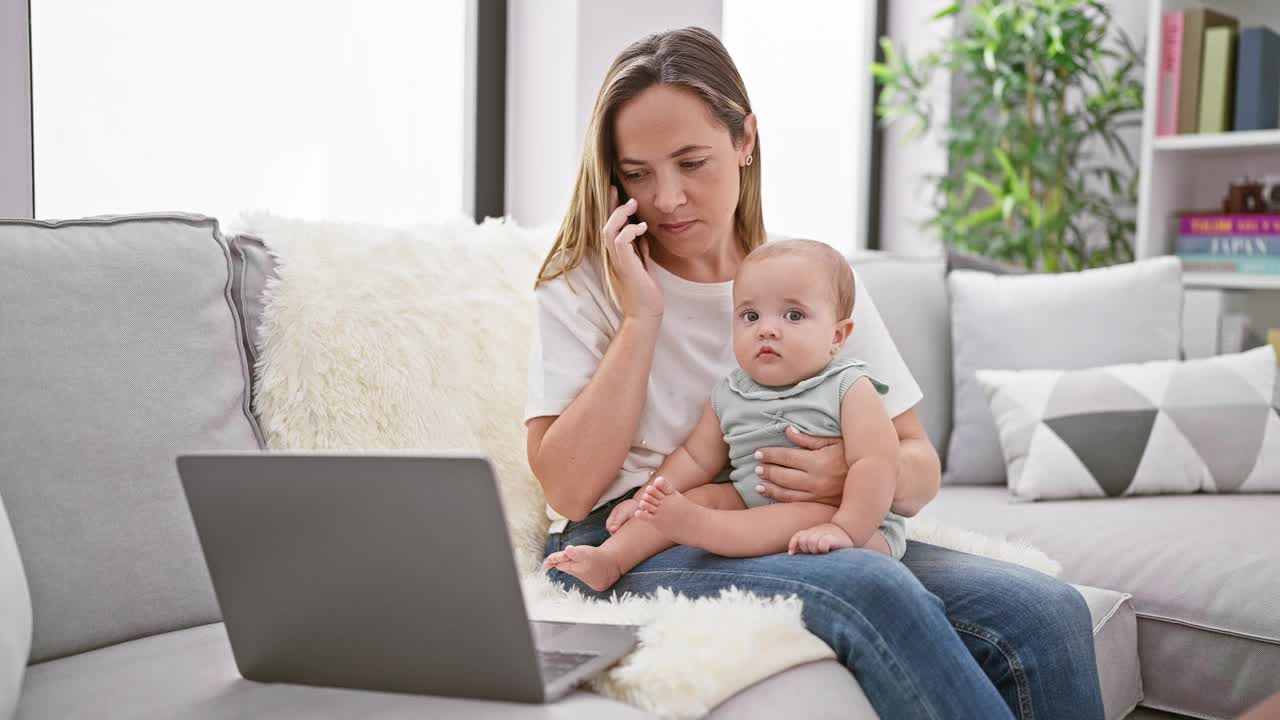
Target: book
1194 24
1257 92
1228 245
1228 224
1217 80
1170 71
1245 264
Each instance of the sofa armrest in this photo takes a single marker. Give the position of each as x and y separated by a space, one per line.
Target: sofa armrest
15 619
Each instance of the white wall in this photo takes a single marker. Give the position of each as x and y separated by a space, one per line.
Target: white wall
905 197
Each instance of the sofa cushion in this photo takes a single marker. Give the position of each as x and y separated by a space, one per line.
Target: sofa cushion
15 618
1141 429
911 295
191 674
1115 645
1122 314
1204 572
121 351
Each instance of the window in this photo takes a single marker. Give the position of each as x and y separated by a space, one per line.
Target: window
806 65
336 110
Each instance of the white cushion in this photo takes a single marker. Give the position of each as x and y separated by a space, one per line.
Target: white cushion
1121 314
1203 425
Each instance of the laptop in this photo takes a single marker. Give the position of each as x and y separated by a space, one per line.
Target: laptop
387 571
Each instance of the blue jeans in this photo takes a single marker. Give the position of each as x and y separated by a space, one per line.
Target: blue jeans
941 634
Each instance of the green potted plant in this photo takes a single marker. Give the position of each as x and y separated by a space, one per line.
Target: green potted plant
1039 87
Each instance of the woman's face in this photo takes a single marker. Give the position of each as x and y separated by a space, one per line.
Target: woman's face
682 168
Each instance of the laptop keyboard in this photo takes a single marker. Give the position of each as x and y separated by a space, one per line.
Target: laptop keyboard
557 664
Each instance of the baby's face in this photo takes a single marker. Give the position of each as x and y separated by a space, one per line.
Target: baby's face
785 324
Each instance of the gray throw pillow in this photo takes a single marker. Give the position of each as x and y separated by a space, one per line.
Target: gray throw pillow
1122 314
15 619
1202 425
121 350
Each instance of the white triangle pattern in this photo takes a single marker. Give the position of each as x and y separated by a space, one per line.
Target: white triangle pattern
1052 470
1029 388
1169 463
1256 367
1150 379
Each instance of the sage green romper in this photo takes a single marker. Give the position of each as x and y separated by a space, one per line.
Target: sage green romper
754 416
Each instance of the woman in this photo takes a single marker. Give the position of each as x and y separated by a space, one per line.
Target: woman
634 329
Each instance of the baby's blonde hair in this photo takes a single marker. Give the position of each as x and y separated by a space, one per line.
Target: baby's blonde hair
839 274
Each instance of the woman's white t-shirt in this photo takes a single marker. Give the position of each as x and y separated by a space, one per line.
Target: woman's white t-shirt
576 322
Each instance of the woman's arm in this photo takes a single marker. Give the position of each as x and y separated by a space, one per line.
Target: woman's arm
816 471
919 468
576 455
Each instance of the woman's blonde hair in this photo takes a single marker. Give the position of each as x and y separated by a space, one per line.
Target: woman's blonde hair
692 59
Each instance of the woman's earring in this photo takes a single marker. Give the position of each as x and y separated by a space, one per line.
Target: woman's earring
749 159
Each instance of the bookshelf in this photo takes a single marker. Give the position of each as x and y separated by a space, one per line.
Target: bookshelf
1192 171
1243 142
1230 281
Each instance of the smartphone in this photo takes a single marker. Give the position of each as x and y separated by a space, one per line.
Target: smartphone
622 200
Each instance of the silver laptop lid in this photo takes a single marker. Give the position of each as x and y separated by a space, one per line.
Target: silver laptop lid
376 571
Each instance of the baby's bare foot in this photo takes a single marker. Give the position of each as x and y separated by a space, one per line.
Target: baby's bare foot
677 517
595 566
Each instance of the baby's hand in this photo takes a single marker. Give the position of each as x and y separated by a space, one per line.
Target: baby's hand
622 512
819 539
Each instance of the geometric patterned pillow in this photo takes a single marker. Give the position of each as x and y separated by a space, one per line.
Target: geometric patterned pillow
1204 425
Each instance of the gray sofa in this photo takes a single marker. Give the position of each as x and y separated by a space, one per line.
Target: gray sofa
126 341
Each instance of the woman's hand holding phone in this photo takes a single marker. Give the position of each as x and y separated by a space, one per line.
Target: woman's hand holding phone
628 251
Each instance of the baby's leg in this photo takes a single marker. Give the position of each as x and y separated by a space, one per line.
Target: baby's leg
732 533
601 566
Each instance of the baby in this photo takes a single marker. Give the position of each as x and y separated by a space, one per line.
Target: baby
793 301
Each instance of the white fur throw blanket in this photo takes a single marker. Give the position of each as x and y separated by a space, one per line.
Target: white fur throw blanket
380 338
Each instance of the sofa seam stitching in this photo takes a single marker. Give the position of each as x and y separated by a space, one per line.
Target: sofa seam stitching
1206 628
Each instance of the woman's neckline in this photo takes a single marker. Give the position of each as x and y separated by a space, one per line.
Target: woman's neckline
672 282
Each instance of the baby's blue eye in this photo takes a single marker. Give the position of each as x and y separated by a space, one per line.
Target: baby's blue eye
751 316
793 315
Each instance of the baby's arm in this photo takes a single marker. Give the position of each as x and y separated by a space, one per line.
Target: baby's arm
700 458
871 447
696 462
